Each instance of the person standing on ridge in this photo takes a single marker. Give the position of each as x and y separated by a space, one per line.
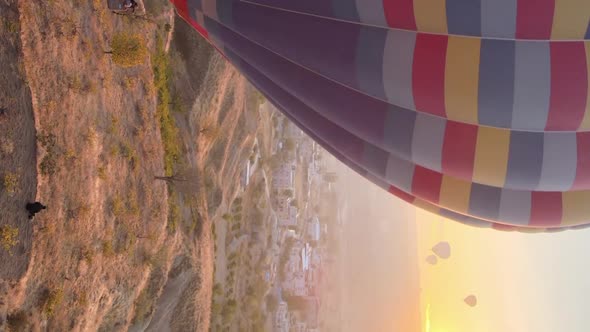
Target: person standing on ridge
33 208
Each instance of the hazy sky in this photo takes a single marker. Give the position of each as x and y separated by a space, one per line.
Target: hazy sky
379 279
524 282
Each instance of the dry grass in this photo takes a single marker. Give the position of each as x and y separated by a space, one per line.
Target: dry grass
128 50
10 183
8 237
168 129
103 132
52 300
75 88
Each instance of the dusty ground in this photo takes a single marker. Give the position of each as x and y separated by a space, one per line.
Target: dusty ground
17 144
86 142
223 122
98 147
242 227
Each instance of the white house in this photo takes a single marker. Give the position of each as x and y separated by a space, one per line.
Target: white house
295 284
283 177
282 322
314 229
288 216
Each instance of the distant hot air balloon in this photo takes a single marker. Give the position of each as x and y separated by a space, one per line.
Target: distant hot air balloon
431 259
470 300
478 114
442 250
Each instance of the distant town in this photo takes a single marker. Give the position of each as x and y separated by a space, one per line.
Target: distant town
299 254
281 252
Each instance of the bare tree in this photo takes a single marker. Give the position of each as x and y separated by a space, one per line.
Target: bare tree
184 181
210 129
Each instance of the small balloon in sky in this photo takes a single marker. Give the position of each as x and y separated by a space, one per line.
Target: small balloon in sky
431 259
442 250
470 300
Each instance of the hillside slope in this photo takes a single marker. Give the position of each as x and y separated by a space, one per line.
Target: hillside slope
115 250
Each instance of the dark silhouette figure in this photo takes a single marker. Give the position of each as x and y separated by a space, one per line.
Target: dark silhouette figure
33 208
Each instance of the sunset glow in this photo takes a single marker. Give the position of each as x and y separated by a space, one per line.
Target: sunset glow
427 320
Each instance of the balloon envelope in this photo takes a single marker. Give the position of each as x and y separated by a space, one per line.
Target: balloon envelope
470 300
468 118
431 259
442 250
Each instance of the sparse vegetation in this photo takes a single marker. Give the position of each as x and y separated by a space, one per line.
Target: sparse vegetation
129 82
210 130
10 183
107 248
48 165
128 50
217 289
82 299
87 254
102 172
89 150
174 216
6 146
53 299
289 145
12 26
168 129
117 206
8 237
184 180
128 152
17 321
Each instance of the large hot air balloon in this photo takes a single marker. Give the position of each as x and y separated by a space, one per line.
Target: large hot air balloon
470 300
477 110
442 250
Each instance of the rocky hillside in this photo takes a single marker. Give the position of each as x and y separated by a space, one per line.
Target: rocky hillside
116 249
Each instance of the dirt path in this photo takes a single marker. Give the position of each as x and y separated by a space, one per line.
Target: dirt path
17 144
220 255
168 301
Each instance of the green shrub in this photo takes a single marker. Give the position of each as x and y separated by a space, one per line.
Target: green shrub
8 237
117 206
102 173
107 248
174 216
217 289
128 50
48 164
10 183
168 128
53 299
